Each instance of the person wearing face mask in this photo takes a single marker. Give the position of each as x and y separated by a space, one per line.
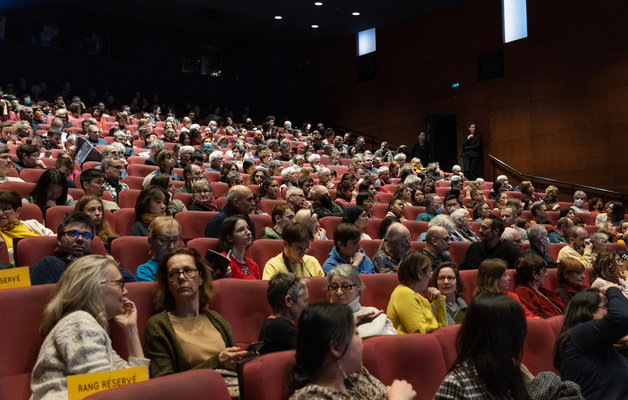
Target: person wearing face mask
579 197
579 247
539 242
451 203
433 207
437 243
322 203
531 272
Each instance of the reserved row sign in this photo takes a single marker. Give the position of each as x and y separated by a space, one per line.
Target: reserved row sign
81 386
15 277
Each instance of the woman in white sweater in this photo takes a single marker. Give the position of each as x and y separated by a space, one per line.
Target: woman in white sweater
75 323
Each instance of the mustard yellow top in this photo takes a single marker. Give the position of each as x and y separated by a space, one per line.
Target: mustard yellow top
410 312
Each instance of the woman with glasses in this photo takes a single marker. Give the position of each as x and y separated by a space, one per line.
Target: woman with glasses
344 286
446 278
151 203
409 311
235 238
202 197
11 227
89 294
287 295
184 334
93 207
164 236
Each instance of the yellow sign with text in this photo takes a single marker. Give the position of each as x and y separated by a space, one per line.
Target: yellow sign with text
15 277
81 386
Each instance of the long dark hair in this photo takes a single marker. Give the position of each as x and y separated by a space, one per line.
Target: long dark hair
580 309
226 229
491 339
39 195
320 324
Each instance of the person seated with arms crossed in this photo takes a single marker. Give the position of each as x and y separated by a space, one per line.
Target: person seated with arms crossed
347 250
345 287
293 259
329 359
408 310
287 296
75 324
282 214
164 236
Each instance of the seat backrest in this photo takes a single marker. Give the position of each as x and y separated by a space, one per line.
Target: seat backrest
410 212
554 249
317 289
447 337
219 188
31 211
330 224
377 290
538 346
127 198
379 210
134 182
186 198
263 250
31 249
556 323
266 377
370 247
193 223
261 221
415 227
458 251
383 198
320 248
243 304
124 219
469 278
22 310
56 214
203 244
22 188
372 228
130 251
140 170
189 385
415 357
31 174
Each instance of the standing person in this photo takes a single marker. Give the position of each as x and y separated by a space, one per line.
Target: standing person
421 149
89 294
471 152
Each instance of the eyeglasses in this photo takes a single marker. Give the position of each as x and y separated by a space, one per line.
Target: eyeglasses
118 167
164 240
334 287
187 272
7 209
76 234
446 278
119 282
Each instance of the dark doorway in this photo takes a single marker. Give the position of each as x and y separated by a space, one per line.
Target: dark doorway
441 132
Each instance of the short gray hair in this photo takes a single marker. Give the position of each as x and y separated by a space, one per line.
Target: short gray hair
287 171
442 220
400 156
313 157
411 180
157 145
458 215
186 149
349 272
383 169
535 232
579 192
214 155
599 237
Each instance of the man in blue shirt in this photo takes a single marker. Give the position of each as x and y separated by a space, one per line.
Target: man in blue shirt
433 207
348 251
93 135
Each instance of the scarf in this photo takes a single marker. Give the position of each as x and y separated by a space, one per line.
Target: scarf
207 205
16 230
148 218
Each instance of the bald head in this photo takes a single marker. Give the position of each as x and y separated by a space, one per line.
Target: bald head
398 239
317 192
512 236
240 197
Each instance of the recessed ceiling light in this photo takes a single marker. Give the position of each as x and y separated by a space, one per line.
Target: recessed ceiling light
318 3
355 13
278 17
315 26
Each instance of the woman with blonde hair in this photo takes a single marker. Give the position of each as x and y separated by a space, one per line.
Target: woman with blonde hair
93 207
75 324
492 277
310 220
164 236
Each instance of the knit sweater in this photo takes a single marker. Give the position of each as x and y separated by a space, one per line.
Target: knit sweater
164 350
76 345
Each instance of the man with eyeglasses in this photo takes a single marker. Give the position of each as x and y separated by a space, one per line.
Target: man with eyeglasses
74 240
93 135
296 198
294 258
191 174
112 168
437 243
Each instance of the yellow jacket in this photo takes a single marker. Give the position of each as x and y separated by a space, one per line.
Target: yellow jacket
307 267
410 312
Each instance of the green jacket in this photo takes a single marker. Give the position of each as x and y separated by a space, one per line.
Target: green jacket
164 350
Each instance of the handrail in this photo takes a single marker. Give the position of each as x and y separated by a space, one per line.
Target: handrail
572 186
374 141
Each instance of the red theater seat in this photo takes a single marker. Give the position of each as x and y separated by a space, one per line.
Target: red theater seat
330 224
232 297
203 244
130 251
458 250
410 212
377 290
370 247
193 223
31 174
134 182
261 221
22 310
372 228
469 278
415 357
538 346
263 250
31 249
447 337
31 211
188 385
22 188
140 169
124 219
56 214
379 210
320 248
266 377
415 227
127 198
219 188
186 198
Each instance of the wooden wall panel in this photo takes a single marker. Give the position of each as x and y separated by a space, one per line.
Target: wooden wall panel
560 110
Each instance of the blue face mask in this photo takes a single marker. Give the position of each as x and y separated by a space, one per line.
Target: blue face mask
214 128
439 209
207 145
27 101
547 243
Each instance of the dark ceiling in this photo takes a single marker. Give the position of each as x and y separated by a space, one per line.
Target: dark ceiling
245 22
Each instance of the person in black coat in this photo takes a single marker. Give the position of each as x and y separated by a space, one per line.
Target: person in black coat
421 149
471 152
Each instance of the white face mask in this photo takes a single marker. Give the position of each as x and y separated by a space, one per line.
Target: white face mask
451 209
578 203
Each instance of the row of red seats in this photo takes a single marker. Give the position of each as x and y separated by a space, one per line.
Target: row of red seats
242 303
